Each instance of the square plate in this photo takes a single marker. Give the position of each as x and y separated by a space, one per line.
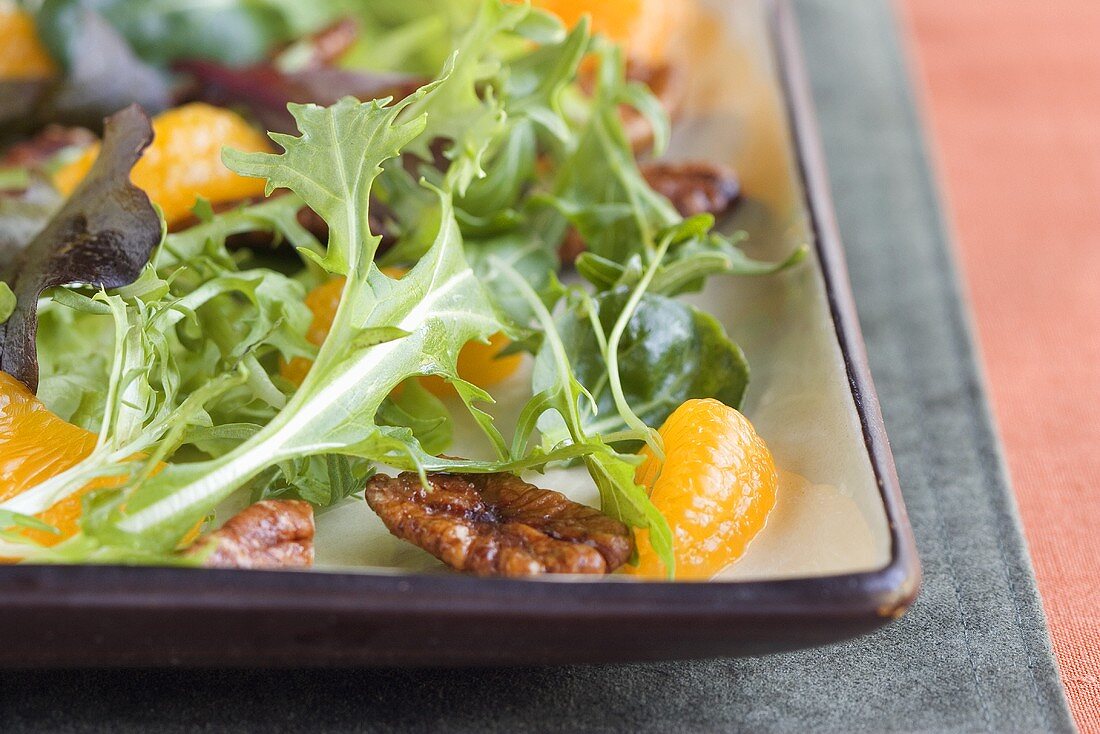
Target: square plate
836 560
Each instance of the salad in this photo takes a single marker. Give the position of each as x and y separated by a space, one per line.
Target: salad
264 259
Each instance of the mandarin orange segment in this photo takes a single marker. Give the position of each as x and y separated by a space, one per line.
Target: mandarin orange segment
35 445
22 55
642 27
184 161
477 363
323 302
716 487
480 364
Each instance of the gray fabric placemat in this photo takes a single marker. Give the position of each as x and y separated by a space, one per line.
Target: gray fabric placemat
972 655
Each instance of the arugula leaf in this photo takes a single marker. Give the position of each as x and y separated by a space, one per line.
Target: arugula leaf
695 255
323 481
458 113
621 219
670 352
414 36
562 396
610 204
103 236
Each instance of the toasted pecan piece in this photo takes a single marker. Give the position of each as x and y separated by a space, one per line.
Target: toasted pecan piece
692 187
695 187
499 525
268 534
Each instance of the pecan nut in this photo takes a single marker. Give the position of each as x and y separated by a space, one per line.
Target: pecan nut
268 534
499 525
692 188
695 188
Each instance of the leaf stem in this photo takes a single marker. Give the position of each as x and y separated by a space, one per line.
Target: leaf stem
611 355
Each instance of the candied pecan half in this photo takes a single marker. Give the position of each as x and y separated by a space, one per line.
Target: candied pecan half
269 534
695 188
499 525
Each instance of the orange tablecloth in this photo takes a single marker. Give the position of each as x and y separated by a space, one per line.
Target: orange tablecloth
1012 93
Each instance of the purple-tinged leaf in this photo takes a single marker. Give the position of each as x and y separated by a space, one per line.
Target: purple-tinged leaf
102 237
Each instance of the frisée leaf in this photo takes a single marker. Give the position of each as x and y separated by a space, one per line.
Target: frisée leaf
383 332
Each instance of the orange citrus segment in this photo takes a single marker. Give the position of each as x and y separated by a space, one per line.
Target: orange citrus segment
716 487
477 363
480 364
22 55
642 27
323 302
35 445
184 161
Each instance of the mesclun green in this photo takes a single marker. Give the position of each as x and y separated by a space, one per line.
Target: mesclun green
670 352
483 172
383 332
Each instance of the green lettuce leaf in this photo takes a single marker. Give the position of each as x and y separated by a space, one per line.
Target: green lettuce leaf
669 353
384 331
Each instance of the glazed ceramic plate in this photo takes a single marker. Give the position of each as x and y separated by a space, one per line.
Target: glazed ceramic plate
835 560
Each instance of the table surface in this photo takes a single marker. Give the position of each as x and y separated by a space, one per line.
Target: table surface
972 655
1013 101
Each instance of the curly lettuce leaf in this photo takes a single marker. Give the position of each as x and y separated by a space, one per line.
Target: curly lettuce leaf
384 331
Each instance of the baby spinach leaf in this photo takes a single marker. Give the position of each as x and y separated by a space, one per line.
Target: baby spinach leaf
670 352
102 236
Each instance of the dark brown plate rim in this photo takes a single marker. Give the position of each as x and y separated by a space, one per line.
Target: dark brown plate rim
112 615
